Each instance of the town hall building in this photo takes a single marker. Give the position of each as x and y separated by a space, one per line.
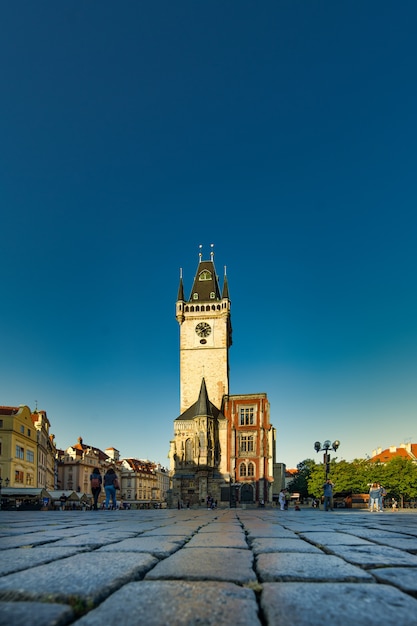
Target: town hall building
224 445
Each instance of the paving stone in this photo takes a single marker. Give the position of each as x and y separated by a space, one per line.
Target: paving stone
35 614
176 603
272 544
171 530
409 545
270 531
404 578
333 538
374 555
93 538
218 540
160 547
308 567
220 527
17 559
90 576
315 604
220 564
372 534
26 540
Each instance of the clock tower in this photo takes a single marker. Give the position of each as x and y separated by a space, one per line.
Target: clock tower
205 336
223 444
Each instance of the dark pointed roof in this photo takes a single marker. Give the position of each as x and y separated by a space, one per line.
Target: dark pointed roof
205 283
225 293
180 290
202 408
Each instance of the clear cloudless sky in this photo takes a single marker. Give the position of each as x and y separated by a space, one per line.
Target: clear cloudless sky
284 132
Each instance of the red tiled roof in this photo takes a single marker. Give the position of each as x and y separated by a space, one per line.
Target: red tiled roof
391 453
9 410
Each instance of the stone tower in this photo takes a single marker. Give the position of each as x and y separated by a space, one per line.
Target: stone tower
205 336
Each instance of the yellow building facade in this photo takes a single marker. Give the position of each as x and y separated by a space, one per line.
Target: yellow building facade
18 447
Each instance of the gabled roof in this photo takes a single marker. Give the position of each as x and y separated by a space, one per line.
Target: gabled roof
81 447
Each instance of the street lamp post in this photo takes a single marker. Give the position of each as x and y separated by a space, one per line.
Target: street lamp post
326 456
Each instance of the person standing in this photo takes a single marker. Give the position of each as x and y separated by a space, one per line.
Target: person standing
63 499
95 481
374 495
382 494
110 482
328 495
281 499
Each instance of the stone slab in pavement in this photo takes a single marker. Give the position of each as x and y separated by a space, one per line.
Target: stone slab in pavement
221 564
90 577
18 559
316 604
307 567
271 544
35 614
177 603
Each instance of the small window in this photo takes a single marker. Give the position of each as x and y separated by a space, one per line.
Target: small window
195 296
28 432
20 453
251 469
18 476
212 295
1 423
242 470
205 275
247 416
30 456
246 443
22 430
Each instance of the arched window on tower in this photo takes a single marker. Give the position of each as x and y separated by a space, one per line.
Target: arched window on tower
188 450
242 470
251 469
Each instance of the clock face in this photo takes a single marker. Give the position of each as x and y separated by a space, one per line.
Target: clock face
203 329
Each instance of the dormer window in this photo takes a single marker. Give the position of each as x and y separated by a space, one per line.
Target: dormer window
205 275
212 295
195 296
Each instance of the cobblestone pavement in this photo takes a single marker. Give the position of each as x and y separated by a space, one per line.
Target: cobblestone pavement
245 567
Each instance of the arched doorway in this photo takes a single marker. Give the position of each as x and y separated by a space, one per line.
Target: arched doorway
246 494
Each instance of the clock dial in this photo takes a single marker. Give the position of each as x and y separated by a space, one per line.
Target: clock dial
203 329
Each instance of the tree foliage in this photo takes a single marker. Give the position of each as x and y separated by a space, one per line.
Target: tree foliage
398 476
299 484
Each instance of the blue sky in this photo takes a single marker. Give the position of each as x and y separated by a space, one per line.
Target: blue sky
283 132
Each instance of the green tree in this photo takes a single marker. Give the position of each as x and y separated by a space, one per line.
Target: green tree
316 480
400 478
353 476
299 484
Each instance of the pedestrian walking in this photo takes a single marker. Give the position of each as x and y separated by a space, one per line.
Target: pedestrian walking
110 484
95 481
281 499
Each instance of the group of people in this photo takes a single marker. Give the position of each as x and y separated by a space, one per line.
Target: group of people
111 484
376 498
